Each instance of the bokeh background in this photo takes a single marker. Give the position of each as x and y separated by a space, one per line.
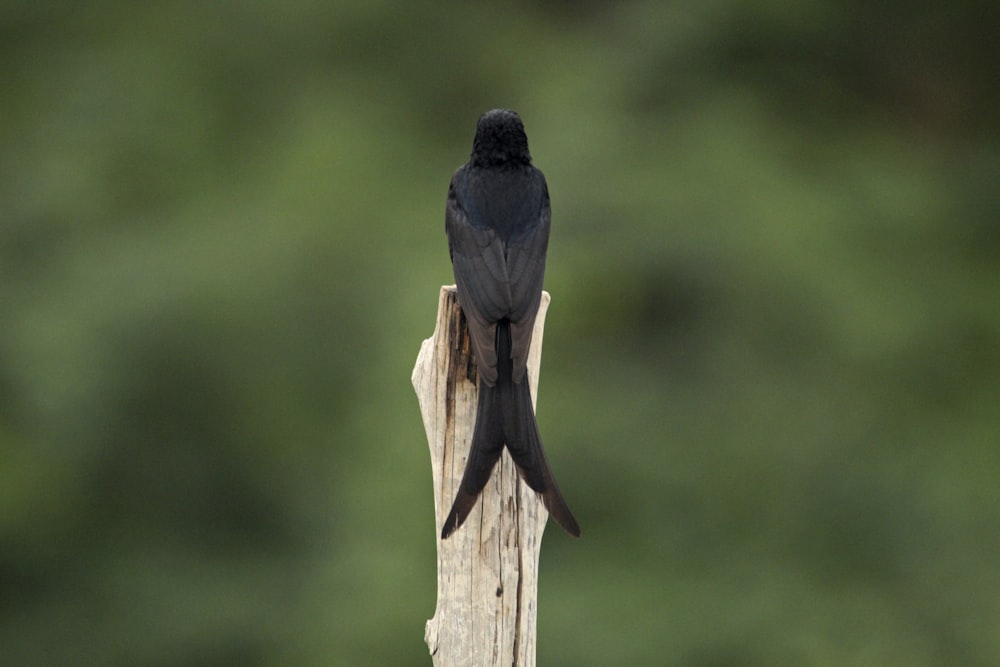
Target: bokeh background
771 376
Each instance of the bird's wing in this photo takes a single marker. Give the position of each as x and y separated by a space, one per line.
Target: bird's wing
477 256
526 272
497 281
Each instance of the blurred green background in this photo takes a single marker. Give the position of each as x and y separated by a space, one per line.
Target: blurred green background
772 362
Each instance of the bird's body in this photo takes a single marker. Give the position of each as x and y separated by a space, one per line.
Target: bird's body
497 220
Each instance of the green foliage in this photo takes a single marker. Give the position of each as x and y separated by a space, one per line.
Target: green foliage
771 367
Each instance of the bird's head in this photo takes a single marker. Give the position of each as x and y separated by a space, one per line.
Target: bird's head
500 140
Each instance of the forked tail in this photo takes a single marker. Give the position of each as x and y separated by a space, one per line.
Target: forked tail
505 416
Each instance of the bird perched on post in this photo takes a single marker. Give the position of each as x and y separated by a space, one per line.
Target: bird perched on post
497 220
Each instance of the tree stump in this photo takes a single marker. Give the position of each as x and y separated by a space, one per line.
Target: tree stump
488 568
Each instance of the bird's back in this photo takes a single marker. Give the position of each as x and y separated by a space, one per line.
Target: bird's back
508 201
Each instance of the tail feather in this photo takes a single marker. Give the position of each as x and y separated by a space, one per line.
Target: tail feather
505 416
524 443
487 445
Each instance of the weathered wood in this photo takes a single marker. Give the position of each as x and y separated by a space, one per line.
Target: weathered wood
488 568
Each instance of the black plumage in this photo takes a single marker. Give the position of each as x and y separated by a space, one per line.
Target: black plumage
497 220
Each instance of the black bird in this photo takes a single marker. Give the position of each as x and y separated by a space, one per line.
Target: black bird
498 221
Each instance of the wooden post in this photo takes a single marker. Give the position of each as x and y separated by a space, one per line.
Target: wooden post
488 568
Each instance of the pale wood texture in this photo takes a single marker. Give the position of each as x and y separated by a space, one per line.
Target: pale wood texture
488 568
